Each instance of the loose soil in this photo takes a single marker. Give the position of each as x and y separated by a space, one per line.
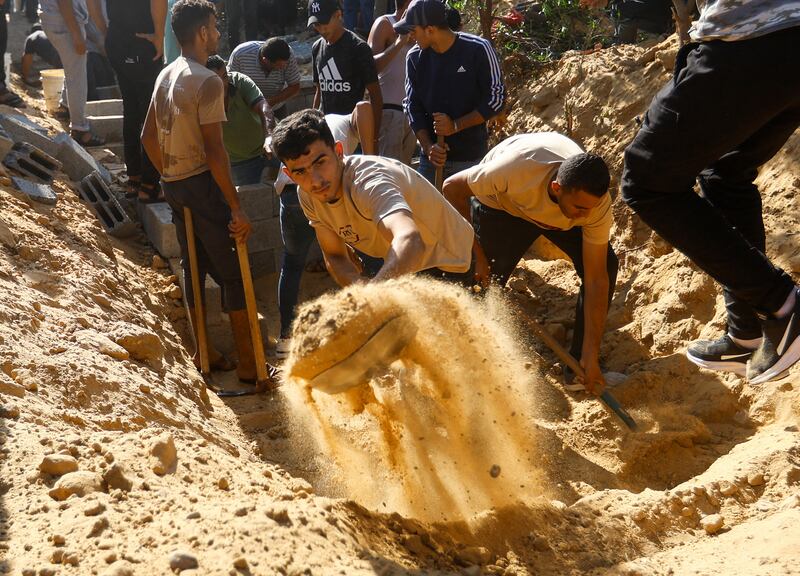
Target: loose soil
446 464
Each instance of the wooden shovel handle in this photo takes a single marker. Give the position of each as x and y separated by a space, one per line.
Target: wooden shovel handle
439 174
252 316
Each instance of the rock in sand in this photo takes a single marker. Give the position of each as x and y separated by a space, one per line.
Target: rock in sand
712 524
58 464
166 456
182 560
79 483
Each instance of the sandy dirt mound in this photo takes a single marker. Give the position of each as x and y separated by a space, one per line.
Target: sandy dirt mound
115 461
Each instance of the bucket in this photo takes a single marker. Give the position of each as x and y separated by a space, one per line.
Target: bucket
52 85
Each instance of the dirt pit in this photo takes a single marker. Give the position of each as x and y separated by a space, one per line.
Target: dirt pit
115 461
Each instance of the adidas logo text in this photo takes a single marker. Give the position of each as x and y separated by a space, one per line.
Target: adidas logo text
330 80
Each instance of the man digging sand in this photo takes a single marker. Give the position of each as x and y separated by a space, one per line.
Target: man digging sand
375 205
183 136
533 185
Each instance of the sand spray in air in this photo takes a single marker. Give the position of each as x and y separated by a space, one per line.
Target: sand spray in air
448 430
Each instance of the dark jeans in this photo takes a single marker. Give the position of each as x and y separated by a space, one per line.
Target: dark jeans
297 235
216 250
729 108
236 10
248 171
505 239
136 76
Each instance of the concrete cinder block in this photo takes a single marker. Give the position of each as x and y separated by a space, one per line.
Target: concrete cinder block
107 127
114 219
104 108
20 129
29 161
257 200
78 163
39 192
157 221
263 263
266 234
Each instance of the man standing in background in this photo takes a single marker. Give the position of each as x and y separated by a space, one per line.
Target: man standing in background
453 86
343 65
396 140
273 68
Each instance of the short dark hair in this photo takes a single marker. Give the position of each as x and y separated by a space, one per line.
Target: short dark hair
187 18
453 19
274 49
215 62
293 135
585 171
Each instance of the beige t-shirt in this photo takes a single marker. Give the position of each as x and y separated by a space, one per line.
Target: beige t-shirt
515 175
375 187
187 95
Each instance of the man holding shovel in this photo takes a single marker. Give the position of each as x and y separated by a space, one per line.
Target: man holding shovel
183 136
544 184
376 205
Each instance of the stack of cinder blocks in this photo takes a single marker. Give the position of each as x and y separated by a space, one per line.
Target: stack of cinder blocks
105 117
261 205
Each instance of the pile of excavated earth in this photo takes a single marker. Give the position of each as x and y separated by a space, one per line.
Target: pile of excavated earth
465 458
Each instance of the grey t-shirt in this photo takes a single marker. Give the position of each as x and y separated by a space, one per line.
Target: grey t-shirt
742 19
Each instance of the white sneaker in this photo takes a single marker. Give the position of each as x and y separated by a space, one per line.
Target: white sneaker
282 347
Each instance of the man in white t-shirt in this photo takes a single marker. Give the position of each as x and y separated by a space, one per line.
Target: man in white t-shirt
375 205
544 184
350 130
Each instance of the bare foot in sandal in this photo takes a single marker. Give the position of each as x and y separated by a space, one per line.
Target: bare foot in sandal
86 138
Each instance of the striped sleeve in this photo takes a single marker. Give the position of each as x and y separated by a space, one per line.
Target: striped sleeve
489 77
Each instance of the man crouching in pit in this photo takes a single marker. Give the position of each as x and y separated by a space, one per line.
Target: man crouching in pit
377 206
544 184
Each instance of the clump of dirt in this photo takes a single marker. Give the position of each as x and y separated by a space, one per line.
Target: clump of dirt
446 431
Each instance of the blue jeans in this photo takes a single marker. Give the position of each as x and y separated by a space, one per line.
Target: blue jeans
297 236
248 171
451 167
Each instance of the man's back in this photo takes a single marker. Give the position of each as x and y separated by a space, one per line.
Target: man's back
187 95
244 59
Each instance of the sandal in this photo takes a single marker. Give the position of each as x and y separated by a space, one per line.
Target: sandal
10 99
132 188
86 138
148 195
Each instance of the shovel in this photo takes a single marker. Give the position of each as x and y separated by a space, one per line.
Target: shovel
567 358
200 324
380 350
439 174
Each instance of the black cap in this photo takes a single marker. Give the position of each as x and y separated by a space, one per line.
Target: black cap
320 11
422 13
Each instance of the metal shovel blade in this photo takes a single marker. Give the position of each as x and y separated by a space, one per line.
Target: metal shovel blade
382 348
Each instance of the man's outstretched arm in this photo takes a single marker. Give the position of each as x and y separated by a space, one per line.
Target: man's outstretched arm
406 246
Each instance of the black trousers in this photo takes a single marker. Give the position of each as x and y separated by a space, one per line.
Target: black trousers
216 250
136 75
505 239
729 108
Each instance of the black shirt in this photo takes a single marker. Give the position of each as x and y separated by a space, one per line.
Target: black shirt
342 70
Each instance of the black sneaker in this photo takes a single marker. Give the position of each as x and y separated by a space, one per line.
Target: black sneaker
780 348
722 354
